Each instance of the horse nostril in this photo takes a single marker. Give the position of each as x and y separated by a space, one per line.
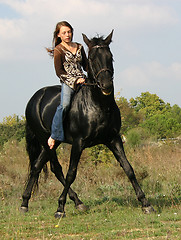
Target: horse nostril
107 84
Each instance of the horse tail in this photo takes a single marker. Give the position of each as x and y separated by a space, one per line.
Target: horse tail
33 148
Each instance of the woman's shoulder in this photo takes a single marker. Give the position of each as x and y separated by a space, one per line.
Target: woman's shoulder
58 50
58 47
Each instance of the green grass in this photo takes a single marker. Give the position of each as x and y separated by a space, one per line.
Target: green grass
105 219
114 212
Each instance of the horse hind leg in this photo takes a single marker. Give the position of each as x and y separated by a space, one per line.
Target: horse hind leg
35 170
56 168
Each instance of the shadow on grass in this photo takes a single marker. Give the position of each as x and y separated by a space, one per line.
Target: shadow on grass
158 202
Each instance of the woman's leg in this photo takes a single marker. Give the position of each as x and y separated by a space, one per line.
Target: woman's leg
57 132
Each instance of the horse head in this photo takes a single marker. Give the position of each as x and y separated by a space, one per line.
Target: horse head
100 62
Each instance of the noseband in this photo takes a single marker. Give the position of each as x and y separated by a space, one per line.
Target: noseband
95 76
102 70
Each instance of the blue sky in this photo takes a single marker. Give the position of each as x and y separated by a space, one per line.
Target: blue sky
146 45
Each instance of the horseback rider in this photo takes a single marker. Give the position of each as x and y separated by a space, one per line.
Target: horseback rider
69 61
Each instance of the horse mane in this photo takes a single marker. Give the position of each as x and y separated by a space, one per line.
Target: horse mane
99 40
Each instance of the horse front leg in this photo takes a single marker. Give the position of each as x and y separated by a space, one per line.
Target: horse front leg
70 177
116 146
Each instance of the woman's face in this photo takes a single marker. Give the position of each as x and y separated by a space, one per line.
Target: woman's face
65 34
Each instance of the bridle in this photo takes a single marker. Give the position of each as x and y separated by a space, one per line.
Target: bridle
96 75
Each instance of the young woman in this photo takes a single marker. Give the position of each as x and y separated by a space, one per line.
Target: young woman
69 60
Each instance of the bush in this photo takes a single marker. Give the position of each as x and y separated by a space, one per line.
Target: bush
134 138
100 154
162 126
15 130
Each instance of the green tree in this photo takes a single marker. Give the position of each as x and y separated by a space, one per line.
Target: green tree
12 120
176 112
151 113
13 127
162 125
149 105
129 117
99 154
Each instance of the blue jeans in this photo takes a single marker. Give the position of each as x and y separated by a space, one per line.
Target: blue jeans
57 132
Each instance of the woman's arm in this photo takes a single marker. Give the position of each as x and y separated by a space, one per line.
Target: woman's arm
58 63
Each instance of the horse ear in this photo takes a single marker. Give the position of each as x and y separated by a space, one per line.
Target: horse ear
86 40
108 40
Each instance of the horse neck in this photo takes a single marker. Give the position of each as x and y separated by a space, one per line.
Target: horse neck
90 79
97 97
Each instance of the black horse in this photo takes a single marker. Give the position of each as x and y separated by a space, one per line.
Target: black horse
93 118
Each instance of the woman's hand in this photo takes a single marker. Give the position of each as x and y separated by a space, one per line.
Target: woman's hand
80 80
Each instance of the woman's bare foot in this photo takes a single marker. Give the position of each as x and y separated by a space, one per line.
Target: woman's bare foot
51 142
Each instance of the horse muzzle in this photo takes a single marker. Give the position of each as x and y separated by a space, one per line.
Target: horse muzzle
107 90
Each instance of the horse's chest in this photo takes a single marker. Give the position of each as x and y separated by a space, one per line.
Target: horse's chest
102 121
105 118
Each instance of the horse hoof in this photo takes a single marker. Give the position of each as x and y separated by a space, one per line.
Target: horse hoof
59 215
148 210
81 208
23 209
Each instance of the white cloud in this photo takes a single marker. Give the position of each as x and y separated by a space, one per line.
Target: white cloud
58 8
139 25
151 74
134 76
129 48
93 14
37 19
11 29
147 15
175 70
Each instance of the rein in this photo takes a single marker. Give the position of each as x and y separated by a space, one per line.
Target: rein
89 84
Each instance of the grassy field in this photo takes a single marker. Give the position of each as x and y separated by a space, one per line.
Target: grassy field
114 212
